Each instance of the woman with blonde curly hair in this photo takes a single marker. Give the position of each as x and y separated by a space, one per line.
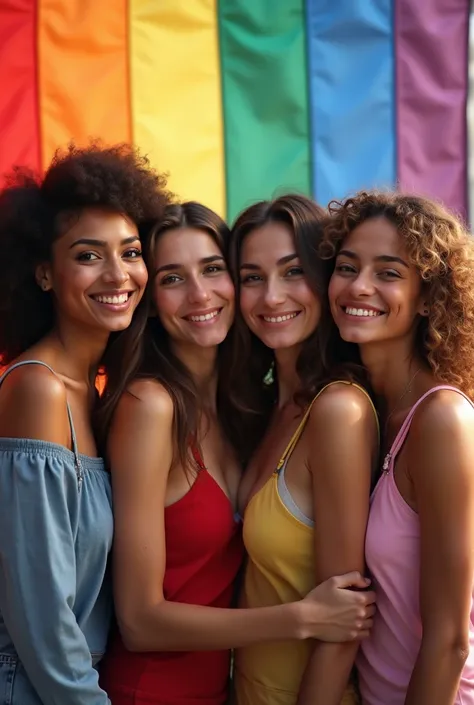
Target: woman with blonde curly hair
403 290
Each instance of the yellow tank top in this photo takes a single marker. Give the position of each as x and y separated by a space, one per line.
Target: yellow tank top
280 569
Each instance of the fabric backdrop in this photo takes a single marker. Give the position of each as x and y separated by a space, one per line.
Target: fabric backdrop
240 100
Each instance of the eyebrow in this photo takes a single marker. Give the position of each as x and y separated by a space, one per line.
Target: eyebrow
282 260
204 260
102 243
380 258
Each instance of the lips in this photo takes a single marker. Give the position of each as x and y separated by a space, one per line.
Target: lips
362 311
281 317
203 317
112 298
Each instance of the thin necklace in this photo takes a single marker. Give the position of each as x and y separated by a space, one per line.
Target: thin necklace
388 457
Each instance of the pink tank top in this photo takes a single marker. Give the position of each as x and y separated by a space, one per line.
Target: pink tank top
386 660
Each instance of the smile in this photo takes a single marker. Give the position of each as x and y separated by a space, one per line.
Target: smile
362 312
280 319
201 318
115 299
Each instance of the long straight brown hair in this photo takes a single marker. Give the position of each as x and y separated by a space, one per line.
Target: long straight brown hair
248 380
153 357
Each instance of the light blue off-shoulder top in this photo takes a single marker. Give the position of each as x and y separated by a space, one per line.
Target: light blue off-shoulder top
56 529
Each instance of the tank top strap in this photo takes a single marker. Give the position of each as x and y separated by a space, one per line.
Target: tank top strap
297 434
405 427
197 457
77 458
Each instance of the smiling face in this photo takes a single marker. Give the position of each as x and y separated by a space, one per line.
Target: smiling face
193 291
96 275
375 293
276 300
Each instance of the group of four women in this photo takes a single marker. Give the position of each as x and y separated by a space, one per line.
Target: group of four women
286 410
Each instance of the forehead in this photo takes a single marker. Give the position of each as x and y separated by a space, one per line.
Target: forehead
185 245
374 237
268 243
98 224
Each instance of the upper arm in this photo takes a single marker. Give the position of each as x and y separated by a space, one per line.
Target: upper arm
440 454
140 448
342 440
33 404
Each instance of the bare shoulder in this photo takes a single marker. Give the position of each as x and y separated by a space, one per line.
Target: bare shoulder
342 404
141 435
33 404
149 398
444 416
145 407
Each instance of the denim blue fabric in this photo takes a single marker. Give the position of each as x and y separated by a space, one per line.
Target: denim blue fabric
56 528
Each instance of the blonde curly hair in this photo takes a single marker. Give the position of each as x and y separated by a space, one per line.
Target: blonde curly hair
442 250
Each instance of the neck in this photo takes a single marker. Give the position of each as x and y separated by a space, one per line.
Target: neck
76 353
392 368
202 365
288 380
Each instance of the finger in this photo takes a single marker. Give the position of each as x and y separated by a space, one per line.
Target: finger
367 624
363 634
369 598
351 580
370 611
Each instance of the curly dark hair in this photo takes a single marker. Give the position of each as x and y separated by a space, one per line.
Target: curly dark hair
156 359
323 357
35 210
441 249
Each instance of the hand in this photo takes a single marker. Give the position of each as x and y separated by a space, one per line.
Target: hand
335 612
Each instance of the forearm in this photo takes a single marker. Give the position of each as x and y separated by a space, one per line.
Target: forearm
175 626
435 678
327 674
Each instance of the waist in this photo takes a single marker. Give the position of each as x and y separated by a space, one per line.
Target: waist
178 676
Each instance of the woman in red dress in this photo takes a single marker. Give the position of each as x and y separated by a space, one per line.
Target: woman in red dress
177 545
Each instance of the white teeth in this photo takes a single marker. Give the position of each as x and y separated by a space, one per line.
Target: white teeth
362 312
120 299
206 317
279 319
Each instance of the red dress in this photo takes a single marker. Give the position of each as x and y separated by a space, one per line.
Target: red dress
204 552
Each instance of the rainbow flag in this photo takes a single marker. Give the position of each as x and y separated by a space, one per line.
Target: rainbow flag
239 100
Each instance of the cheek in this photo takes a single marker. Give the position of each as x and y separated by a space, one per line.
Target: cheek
167 302
335 288
249 298
72 280
140 275
226 290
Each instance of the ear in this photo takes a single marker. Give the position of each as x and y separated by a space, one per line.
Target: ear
423 309
43 277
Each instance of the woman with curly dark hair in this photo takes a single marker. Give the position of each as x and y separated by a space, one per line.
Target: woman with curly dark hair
403 290
74 274
305 494
177 543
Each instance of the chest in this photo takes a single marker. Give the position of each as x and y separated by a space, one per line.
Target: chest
275 445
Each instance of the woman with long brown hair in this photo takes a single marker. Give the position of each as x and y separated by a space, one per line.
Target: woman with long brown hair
403 291
177 546
304 496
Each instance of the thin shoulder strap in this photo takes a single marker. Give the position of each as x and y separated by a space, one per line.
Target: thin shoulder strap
405 427
197 457
77 459
297 434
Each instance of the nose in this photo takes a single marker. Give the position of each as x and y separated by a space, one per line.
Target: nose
197 291
274 292
362 284
116 272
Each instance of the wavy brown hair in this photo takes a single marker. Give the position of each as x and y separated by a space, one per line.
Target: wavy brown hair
251 390
441 249
155 358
